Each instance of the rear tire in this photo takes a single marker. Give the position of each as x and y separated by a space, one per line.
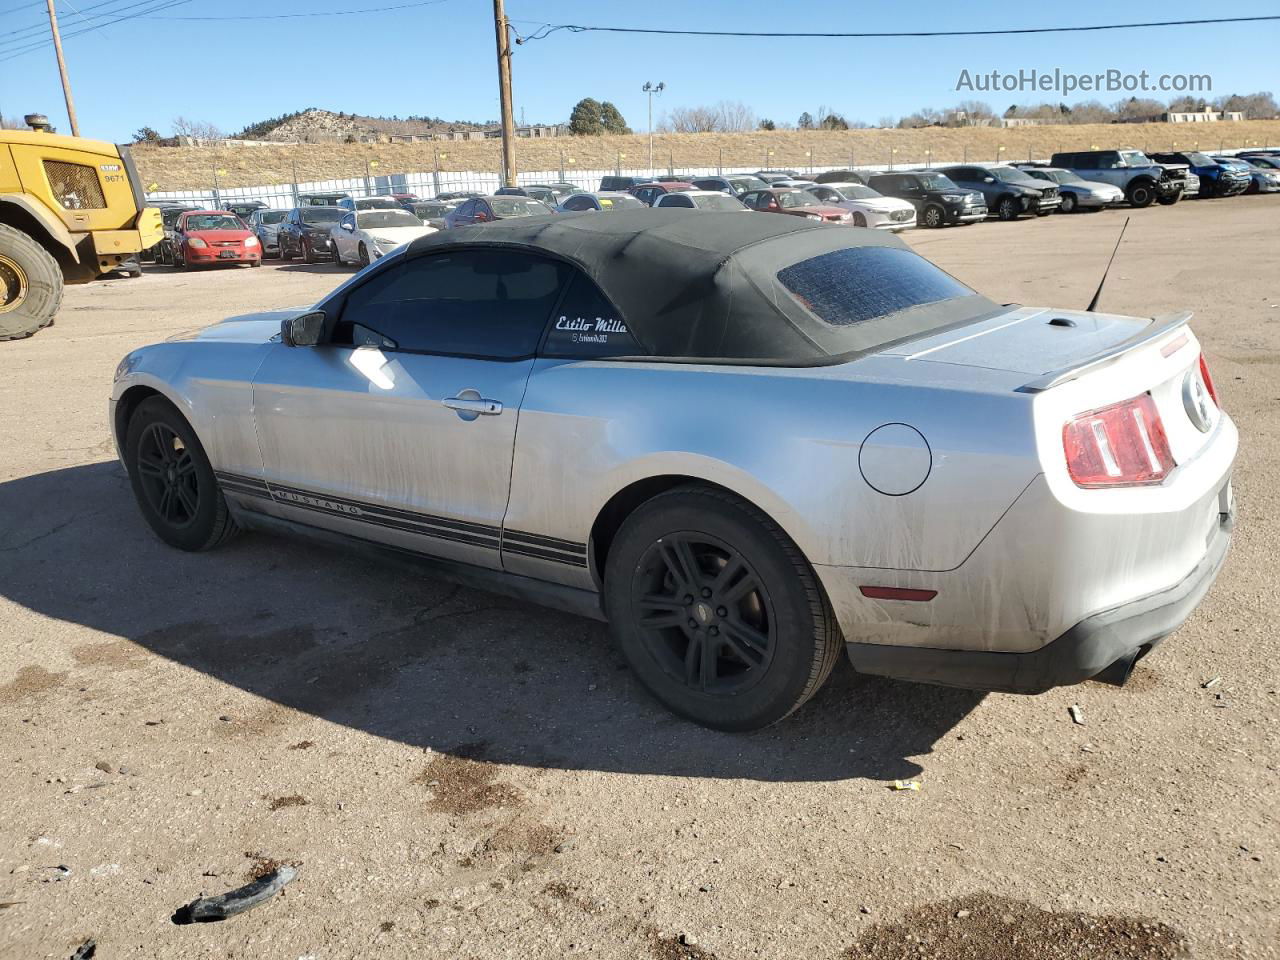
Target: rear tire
30 285
173 481
716 610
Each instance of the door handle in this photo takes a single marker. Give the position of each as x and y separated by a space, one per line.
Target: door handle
477 405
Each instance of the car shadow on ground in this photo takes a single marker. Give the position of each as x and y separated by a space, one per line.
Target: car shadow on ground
323 266
380 649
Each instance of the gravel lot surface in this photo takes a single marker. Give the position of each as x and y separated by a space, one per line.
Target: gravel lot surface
457 775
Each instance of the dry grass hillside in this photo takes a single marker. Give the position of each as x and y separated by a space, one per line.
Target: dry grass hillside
184 168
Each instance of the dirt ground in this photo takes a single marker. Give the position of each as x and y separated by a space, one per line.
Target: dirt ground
461 776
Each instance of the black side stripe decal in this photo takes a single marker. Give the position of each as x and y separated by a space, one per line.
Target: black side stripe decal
536 546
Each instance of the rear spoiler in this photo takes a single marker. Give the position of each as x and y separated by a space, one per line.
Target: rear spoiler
1160 326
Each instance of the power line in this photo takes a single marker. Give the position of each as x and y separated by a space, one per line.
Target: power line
14 53
16 37
314 13
548 28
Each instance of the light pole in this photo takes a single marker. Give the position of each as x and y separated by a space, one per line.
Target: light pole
651 89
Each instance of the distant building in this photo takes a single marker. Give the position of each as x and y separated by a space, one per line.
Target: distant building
1023 122
1201 116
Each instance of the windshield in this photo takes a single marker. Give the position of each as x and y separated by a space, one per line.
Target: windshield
855 191
272 216
937 181
386 218
1064 176
1199 160
1009 173
719 202
856 284
432 209
747 183
797 198
322 214
214 221
377 203
518 207
1135 158
623 202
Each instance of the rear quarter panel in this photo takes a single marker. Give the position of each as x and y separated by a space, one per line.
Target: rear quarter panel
788 440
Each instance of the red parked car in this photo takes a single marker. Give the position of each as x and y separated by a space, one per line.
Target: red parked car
214 236
650 192
798 203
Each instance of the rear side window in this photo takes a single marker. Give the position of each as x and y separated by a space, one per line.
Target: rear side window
855 284
481 303
588 325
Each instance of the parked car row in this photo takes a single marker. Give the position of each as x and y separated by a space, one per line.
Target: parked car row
336 226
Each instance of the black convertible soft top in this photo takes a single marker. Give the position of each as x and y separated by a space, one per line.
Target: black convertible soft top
733 286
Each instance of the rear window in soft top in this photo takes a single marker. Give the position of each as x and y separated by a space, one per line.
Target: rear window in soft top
856 284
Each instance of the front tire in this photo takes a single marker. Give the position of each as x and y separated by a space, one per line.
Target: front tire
30 285
172 479
859 220
284 253
307 255
1008 208
934 216
364 256
1141 194
717 612
1068 204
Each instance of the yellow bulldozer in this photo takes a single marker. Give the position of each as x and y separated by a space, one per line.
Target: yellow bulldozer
71 209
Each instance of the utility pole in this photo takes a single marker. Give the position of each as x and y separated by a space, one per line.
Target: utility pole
62 68
504 95
651 89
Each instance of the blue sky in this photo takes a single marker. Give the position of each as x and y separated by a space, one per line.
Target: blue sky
439 59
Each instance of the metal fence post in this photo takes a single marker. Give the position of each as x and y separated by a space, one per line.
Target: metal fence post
435 175
217 196
295 182
720 164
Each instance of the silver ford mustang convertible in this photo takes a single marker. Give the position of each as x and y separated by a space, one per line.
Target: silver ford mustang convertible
747 442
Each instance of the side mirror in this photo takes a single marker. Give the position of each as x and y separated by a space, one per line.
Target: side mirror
988 179
349 227
303 331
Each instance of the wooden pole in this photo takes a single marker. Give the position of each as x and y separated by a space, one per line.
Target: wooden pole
504 94
62 69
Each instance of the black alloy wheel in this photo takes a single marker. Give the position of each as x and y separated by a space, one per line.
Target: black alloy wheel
364 256
172 479
704 612
717 612
1008 208
1141 194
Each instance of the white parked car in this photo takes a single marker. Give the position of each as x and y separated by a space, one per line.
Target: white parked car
700 200
365 235
870 208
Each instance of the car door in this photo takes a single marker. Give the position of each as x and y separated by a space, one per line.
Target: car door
399 427
1106 167
345 241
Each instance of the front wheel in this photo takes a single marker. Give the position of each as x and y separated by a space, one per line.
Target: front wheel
364 256
30 285
1068 204
285 253
1008 209
307 255
859 220
716 610
933 216
172 479
1141 194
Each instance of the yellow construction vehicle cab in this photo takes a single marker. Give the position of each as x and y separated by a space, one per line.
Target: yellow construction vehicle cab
71 209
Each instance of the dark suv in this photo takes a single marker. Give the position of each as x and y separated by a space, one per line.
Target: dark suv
734 185
621 184
1009 193
305 233
937 200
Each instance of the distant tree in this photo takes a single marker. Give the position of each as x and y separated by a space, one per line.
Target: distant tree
1091 111
1136 108
182 127
886 122
975 109
767 124
806 121
611 119
1255 106
833 121
146 135
585 120
727 116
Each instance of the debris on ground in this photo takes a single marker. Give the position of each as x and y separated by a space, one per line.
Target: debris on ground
905 785
224 905
86 950
1211 683
1077 715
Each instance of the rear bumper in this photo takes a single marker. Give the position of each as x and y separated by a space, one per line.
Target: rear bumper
1087 649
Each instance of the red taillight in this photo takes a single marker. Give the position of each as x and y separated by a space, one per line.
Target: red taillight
1208 381
1123 445
898 593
